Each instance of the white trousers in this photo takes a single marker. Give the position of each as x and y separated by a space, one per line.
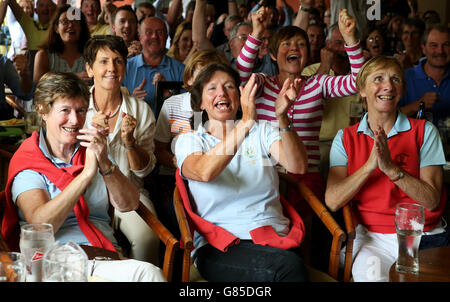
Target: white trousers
373 255
144 242
126 271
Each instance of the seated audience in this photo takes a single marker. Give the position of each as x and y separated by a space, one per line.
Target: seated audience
221 161
130 128
384 160
64 176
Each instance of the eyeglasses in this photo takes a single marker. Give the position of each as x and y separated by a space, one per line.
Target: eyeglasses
242 37
371 39
66 22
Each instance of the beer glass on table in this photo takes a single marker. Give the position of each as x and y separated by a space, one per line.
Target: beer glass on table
409 222
35 239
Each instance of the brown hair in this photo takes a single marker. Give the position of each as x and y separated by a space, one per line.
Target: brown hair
114 43
201 58
284 34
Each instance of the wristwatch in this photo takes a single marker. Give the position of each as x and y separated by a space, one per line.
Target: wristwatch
288 128
400 175
109 171
305 9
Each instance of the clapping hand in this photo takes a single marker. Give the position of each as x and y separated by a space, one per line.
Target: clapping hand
248 93
287 97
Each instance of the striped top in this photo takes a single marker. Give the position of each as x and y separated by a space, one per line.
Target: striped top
307 111
173 120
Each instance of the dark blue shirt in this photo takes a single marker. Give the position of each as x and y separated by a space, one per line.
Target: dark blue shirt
137 70
418 83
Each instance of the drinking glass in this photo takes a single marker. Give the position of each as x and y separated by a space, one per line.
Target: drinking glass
409 222
12 268
35 239
65 263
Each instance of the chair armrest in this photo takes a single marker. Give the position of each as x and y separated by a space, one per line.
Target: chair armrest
183 224
166 237
316 205
350 224
186 236
160 230
327 219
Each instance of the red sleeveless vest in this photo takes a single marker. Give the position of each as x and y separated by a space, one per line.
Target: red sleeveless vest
378 197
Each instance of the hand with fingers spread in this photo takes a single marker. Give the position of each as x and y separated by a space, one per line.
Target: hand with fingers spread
139 92
127 129
287 97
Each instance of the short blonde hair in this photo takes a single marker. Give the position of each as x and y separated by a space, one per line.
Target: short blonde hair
377 63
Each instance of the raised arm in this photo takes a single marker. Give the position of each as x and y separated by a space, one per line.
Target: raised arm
199 27
302 18
232 8
249 52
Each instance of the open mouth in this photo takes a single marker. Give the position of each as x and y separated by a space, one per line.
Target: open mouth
293 58
222 106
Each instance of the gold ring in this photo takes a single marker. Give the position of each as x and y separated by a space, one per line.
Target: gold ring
95 140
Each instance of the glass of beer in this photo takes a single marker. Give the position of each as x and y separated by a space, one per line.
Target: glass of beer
409 222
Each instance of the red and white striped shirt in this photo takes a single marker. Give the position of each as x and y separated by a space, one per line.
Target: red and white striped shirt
307 111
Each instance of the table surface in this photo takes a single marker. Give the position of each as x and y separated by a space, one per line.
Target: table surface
434 266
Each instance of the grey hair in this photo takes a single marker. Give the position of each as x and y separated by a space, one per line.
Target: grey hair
236 28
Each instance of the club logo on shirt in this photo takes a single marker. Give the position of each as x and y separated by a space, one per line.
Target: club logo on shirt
250 152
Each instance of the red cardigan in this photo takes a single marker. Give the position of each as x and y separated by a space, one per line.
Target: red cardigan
29 156
378 197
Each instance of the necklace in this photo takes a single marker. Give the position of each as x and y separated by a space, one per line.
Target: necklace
115 112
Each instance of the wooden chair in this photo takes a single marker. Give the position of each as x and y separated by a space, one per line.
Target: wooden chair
165 89
316 205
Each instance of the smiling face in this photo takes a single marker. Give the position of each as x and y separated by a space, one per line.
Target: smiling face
153 36
45 10
108 69
68 30
437 49
125 25
65 118
292 55
185 43
383 89
220 97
